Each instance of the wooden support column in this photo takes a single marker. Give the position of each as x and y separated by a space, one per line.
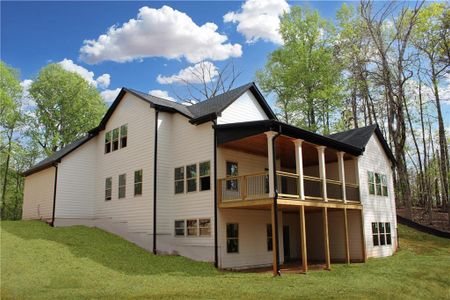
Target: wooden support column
270 135
299 167
326 240
341 166
347 245
363 240
303 248
274 243
322 172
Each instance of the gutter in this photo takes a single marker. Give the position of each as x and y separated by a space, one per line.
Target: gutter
275 200
54 194
155 173
216 254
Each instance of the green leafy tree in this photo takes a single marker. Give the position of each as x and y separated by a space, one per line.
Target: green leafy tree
304 73
67 106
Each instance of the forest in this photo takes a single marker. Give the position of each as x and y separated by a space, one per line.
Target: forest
375 63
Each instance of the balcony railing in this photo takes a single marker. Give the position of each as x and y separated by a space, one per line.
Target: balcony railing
256 186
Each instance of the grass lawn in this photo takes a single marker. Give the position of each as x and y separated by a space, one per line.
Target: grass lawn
41 262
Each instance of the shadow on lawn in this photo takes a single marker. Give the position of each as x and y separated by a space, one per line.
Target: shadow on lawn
109 250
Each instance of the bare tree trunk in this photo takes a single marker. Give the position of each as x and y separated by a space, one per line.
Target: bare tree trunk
5 178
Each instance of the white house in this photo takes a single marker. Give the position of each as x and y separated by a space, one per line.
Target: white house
222 181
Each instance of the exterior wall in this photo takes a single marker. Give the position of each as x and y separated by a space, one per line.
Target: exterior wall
38 195
135 210
75 191
247 163
245 108
377 208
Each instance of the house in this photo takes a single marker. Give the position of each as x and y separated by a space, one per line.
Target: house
222 181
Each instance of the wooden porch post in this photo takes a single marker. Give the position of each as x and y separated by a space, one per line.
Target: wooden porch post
303 240
363 240
322 172
299 167
274 243
270 135
341 166
325 238
347 246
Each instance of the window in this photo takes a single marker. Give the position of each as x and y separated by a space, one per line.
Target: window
191 178
179 227
122 185
371 183
108 188
204 226
123 135
378 183
232 238
269 237
108 142
384 185
191 227
115 139
138 182
381 234
232 170
179 180
205 176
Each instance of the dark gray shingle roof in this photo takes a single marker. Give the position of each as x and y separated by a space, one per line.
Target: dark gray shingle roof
358 137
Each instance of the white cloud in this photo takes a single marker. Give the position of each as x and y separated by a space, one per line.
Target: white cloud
259 19
198 73
102 81
163 32
161 94
110 95
27 102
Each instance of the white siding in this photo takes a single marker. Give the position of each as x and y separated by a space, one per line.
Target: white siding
245 108
38 195
76 183
377 208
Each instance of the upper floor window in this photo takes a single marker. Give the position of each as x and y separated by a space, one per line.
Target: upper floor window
179 180
377 184
232 170
108 188
138 182
115 138
205 176
122 185
123 135
191 178
108 142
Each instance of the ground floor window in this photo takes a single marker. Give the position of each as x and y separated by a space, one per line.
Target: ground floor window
381 233
193 227
179 227
232 238
204 226
269 237
122 185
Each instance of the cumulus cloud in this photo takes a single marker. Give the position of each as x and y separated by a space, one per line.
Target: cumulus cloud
259 19
102 81
163 32
28 103
161 94
110 95
198 73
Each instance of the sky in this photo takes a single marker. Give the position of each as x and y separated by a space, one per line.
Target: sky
147 46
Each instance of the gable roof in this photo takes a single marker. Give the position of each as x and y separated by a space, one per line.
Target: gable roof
359 137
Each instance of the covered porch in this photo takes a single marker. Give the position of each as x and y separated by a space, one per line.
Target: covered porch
298 174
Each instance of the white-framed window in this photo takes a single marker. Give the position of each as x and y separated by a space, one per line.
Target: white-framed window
179 227
108 188
204 227
377 184
179 180
205 176
269 237
371 179
122 185
192 227
123 135
232 238
108 142
191 178
138 182
115 139
381 233
384 185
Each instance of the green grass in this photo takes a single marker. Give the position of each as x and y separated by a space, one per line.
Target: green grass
41 262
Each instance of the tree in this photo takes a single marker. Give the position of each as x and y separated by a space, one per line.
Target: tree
67 106
10 95
305 70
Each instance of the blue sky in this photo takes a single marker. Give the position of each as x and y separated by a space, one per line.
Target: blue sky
167 40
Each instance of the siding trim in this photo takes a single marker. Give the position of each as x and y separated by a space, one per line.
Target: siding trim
155 171
54 195
216 254
275 203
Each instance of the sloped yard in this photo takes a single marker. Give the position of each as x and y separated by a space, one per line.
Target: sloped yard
41 262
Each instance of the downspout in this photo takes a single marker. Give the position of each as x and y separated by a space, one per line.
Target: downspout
275 199
54 194
216 254
155 181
